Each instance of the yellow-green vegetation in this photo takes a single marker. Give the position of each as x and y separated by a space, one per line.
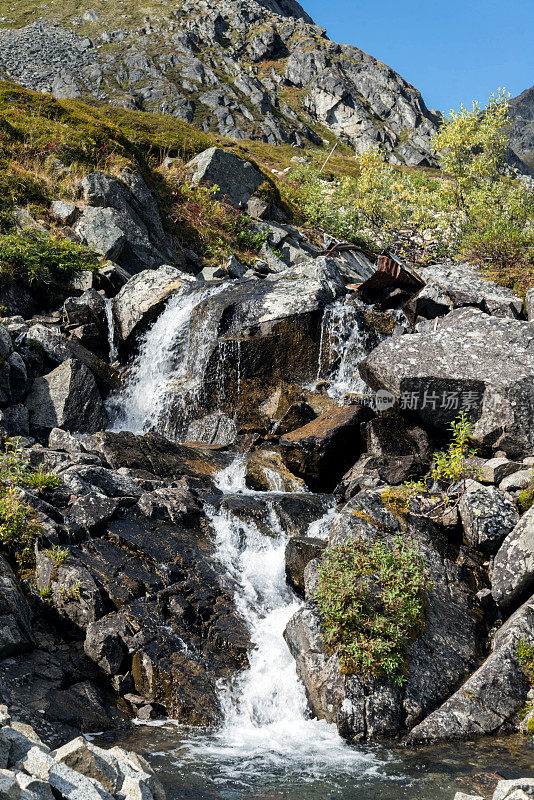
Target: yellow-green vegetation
38 258
19 528
472 212
526 496
58 554
525 656
371 596
213 228
46 145
449 470
73 592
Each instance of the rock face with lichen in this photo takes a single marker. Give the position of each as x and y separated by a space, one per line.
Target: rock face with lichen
245 69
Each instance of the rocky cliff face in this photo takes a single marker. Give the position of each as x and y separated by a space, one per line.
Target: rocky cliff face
522 128
240 68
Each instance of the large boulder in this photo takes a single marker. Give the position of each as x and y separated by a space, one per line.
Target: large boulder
237 180
469 361
439 658
512 574
243 339
15 616
157 455
300 550
68 398
143 297
122 221
488 701
487 515
464 285
321 451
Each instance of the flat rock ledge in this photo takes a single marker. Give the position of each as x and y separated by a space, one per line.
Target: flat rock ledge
79 770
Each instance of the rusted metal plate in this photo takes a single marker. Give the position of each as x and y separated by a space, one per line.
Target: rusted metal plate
392 272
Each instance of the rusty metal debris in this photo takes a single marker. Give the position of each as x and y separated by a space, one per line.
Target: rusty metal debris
390 273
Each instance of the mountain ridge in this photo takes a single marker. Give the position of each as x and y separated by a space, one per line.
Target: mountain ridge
238 68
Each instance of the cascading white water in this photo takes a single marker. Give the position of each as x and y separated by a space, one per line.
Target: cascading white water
113 353
345 343
266 720
163 374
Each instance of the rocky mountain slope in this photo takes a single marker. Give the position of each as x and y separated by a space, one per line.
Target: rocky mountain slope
522 127
239 68
128 609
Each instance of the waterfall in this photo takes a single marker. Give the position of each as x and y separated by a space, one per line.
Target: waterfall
113 353
265 709
165 380
344 344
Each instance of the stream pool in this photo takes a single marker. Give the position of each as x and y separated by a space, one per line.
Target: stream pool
206 767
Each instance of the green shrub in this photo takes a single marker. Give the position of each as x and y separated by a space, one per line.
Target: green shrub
473 212
19 528
14 471
372 605
526 496
525 656
37 258
449 468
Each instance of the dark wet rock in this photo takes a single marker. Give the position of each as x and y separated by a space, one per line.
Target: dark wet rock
465 362
512 573
439 658
112 278
15 420
291 404
74 592
321 451
487 515
66 398
141 299
156 455
300 550
237 180
488 701
396 451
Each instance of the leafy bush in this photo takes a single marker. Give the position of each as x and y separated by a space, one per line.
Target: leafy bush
214 228
525 656
372 605
19 528
38 258
449 469
471 212
383 208
526 496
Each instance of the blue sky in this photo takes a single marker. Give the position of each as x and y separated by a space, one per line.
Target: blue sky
453 51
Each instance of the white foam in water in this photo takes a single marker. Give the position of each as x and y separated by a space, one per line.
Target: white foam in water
345 342
267 725
108 308
160 376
